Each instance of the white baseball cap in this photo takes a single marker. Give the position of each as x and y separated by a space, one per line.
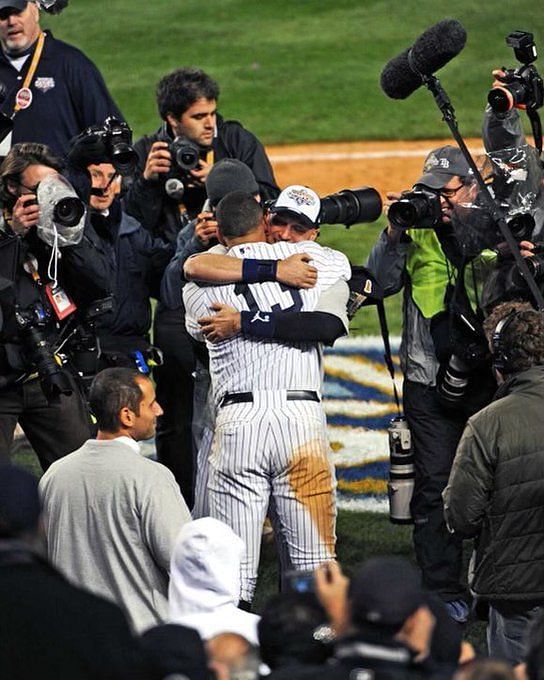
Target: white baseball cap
300 201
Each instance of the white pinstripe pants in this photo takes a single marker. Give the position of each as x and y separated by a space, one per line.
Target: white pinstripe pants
276 447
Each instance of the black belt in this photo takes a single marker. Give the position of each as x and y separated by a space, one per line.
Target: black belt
292 395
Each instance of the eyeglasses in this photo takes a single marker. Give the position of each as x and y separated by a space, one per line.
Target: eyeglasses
450 193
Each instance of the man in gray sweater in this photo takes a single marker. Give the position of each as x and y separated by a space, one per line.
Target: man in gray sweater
112 516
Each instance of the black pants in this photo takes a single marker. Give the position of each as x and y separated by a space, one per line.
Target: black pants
53 430
174 387
436 432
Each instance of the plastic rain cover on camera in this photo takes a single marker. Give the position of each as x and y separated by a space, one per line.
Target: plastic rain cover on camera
51 190
513 178
517 176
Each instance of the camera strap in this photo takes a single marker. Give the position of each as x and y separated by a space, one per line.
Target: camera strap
387 357
536 127
23 98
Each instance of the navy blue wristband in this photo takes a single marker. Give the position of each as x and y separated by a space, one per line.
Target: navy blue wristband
257 271
259 324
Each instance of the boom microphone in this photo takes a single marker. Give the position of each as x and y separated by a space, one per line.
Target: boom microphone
433 49
398 81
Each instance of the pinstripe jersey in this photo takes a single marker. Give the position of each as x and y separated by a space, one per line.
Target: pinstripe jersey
245 364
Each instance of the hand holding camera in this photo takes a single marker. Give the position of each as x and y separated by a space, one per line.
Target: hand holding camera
206 227
159 161
26 214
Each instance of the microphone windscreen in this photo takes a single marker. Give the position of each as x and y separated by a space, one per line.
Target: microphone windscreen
398 80
438 45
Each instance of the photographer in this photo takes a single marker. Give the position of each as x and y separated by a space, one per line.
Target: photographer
50 267
426 262
192 133
136 260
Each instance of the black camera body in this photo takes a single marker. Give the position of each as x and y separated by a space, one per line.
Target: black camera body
416 209
109 142
521 86
186 154
32 323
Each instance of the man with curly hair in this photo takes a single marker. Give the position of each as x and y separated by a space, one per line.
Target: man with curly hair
495 491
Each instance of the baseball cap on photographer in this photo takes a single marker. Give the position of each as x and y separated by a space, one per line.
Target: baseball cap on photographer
441 165
228 175
19 5
300 201
385 591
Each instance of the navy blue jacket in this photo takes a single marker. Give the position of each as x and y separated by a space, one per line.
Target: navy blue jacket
69 94
137 261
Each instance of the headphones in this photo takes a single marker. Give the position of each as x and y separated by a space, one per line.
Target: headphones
502 356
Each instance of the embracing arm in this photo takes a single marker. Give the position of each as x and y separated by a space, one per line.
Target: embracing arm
214 268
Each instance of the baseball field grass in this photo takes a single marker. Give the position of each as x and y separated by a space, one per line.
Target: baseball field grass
296 71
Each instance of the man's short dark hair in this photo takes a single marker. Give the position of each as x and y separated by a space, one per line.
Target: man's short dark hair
112 390
238 214
179 90
20 157
523 338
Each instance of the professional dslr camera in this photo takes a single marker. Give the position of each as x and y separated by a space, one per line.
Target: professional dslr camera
112 141
417 209
521 86
186 154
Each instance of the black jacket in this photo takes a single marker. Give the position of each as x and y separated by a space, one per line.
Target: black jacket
156 211
50 629
68 95
360 656
82 272
136 262
496 490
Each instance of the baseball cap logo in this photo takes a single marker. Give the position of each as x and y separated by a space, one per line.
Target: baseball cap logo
434 162
301 196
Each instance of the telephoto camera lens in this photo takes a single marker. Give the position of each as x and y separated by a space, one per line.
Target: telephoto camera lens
68 211
453 385
401 472
351 206
123 158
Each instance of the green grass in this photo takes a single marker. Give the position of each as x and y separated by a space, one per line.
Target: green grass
295 71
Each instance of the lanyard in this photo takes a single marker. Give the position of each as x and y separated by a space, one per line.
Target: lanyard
33 66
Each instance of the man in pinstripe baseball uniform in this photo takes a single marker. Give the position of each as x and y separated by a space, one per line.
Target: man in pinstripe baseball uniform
270 434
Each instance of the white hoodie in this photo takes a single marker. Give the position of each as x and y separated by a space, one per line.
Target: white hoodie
204 585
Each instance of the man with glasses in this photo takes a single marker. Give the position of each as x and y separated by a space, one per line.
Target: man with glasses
415 260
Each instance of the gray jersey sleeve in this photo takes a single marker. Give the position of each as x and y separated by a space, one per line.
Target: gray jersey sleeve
334 301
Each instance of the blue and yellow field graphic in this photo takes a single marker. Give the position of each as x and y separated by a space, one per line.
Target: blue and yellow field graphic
359 403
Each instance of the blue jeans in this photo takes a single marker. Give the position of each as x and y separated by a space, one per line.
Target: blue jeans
507 629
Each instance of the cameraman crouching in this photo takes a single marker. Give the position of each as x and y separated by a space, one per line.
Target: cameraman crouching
49 267
424 262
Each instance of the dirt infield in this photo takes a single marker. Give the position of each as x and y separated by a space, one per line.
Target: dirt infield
387 166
